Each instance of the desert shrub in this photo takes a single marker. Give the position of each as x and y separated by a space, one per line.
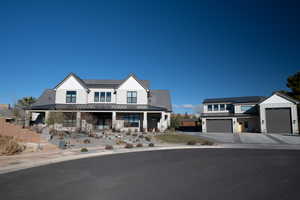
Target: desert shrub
120 142
147 138
84 150
9 146
207 142
151 145
134 135
55 117
109 147
128 146
141 136
128 133
139 145
191 142
87 141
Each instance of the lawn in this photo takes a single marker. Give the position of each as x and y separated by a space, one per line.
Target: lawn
181 138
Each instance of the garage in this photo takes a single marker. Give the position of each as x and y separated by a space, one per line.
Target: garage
278 120
219 125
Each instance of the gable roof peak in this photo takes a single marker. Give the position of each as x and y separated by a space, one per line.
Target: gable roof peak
81 82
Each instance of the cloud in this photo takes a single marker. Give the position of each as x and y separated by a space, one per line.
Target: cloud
196 108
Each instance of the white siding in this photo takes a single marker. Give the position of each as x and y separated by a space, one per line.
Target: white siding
276 101
73 85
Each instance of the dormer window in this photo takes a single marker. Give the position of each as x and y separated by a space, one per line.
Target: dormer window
216 107
222 107
71 97
131 97
209 107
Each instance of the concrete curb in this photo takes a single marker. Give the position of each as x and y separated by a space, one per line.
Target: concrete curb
122 151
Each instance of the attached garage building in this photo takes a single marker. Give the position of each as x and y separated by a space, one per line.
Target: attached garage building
219 125
278 114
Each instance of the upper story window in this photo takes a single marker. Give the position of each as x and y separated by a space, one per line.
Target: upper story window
71 97
108 96
222 107
209 107
245 108
96 97
216 107
131 97
102 96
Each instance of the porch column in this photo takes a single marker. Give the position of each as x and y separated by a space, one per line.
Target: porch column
46 116
114 120
145 122
161 122
27 118
78 119
234 125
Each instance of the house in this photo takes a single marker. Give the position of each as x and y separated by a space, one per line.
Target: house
6 112
104 104
274 114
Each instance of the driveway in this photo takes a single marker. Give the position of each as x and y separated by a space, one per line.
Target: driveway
175 174
248 138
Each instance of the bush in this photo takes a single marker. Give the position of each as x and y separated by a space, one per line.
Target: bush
109 147
9 146
191 142
141 136
128 133
139 145
134 134
147 138
87 141
151 145
84 150
207 142
128 146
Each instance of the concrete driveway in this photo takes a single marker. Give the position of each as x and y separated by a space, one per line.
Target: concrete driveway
248 138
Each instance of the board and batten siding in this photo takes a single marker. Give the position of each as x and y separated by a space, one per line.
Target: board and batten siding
276 101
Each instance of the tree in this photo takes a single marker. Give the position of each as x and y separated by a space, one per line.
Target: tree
26 101
175 121
293 82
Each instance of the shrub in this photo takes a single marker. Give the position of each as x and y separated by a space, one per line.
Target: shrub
207 142
151 145
84 150
139 145
141 136
134 134
120 142
147 138
9 146
128 133
128 146
191 142
109 147
87 141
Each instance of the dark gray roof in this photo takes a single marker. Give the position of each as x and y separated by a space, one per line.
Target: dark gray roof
47 98
160 98
98 83
248 99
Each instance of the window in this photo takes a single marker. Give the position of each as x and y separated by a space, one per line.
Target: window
96 97
222 107
246 108
216 107
71 97
209 107
102 96
131 97
108 96
131 120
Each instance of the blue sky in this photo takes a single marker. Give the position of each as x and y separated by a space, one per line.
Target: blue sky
196 49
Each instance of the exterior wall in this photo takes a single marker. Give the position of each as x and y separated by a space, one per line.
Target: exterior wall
276 101
253 123
92 94
71 84
237 107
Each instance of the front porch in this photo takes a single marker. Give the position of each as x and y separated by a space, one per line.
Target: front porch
137 121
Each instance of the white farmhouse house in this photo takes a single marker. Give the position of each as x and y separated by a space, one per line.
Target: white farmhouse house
112 104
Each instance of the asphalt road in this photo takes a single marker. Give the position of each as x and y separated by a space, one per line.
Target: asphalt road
173 174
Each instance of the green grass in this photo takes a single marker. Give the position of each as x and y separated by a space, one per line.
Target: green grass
180 138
